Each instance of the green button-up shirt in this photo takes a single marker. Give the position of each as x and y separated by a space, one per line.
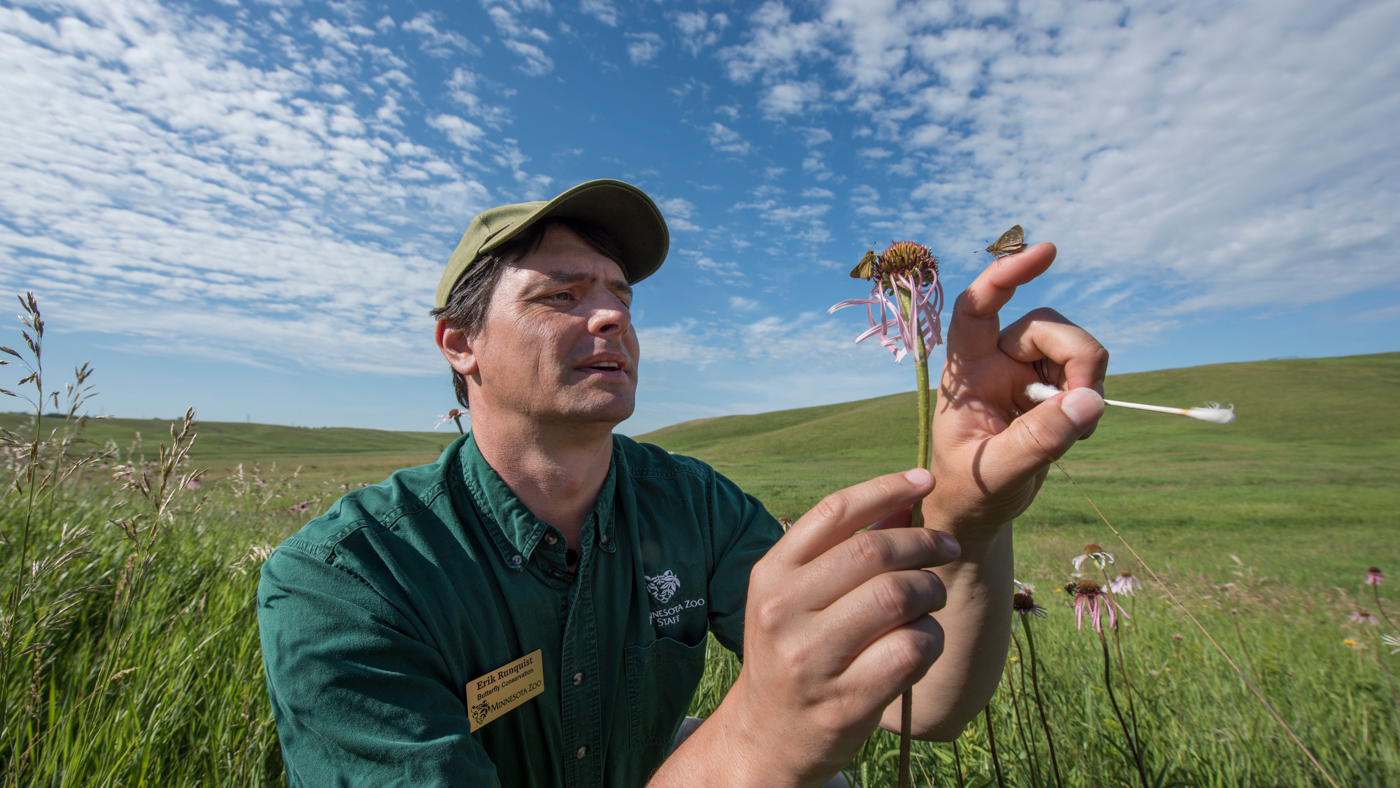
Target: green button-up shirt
375 616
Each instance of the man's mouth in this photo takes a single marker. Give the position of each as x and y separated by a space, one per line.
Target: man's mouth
606 366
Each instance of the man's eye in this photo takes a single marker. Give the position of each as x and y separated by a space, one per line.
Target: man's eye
561 298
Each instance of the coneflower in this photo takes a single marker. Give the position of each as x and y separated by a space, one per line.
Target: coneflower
1363 617
1092 598
1092 552
1374 577
1024 605
1124 583
905 286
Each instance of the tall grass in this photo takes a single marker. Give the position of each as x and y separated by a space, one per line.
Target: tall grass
129 647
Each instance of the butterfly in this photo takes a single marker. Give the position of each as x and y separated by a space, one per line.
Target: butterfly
865 269
1010 242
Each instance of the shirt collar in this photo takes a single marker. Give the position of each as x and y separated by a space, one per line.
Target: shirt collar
518 531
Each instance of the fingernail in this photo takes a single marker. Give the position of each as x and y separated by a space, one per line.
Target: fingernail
954 549
918 476
1082 406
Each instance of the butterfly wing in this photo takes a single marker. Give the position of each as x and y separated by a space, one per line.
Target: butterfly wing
1010 242
865 269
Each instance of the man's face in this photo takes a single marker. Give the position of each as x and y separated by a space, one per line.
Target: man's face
558 345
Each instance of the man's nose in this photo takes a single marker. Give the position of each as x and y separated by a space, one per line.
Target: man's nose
609 316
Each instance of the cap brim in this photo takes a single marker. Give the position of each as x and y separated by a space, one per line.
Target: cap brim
621 209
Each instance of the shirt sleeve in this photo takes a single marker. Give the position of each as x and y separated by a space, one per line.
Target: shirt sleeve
742 532
358 699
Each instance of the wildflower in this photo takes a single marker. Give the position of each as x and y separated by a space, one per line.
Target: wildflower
1124 583
1224 587
1390 640
193 485
1092 551
1374 576
1026 588
913 269
785 522
454 416
1178 637
1023 605
1352 643
1092 598
1362 617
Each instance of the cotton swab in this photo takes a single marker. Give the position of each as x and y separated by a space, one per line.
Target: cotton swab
1215 414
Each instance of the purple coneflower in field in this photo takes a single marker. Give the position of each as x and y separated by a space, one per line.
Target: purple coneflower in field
1363 617
1092 598
1124 583
454 416
913 269
1095 553
1024 605
1374 577
192 485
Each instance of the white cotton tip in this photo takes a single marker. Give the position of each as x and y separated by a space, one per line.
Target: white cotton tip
1039 392
1214 414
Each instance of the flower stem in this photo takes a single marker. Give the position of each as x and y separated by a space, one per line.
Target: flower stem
1376 589
1112 699
992 741
1040 704
1018 700
916 519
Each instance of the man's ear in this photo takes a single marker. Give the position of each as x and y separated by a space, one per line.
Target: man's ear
456 347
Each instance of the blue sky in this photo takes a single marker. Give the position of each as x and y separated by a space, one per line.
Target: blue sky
245 206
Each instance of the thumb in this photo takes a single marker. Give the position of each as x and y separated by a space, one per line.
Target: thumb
1040 436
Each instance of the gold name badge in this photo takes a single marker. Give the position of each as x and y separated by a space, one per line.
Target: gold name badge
504 688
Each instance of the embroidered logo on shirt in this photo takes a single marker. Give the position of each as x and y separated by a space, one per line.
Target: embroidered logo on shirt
663 586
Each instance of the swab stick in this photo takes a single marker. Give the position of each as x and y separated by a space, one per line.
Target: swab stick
1039 392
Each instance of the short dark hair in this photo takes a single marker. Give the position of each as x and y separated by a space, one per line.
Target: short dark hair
470 300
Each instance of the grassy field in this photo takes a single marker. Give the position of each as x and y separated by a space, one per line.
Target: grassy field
130 653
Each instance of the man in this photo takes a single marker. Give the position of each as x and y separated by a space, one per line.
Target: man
583 570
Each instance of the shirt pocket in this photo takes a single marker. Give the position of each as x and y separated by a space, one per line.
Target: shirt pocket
661 680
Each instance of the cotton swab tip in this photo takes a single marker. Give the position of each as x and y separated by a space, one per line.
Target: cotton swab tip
1039 392
1214 414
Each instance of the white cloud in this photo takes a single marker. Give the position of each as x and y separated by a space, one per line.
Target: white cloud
741 304
1241 154
700 30
727 140
602 10
817 194
788 98
157 187
644 47
462 89
506 15
678 212
438 43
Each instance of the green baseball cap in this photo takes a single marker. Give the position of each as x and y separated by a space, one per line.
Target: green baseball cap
623 210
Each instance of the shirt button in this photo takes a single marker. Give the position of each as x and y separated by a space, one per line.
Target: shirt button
516 560
578 678
582 753
603 539
550 539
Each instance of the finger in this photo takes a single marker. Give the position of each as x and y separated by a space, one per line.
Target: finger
868 555
880 605
975 325
1041 435
1080 361
844 512
893 662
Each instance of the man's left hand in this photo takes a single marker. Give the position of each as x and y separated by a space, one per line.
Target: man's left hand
991 443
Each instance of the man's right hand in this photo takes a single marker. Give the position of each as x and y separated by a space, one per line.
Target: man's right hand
837 627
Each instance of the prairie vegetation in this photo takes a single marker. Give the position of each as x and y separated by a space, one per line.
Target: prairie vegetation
129 646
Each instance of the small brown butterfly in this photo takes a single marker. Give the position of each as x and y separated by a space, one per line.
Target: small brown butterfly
865 269
1010 242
